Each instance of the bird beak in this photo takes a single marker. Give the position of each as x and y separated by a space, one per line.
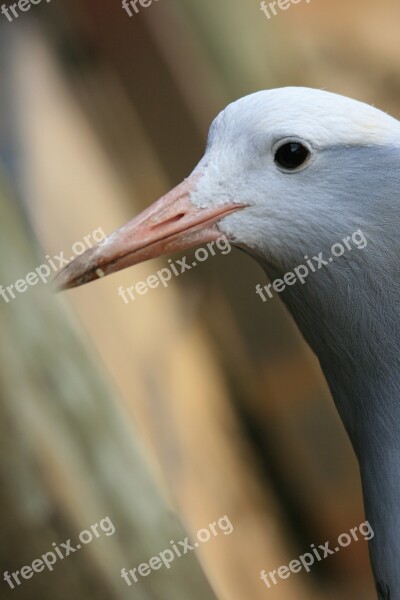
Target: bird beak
171 224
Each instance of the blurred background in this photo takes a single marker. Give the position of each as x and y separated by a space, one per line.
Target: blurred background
195 401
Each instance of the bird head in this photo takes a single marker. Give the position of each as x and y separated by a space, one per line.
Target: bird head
285 172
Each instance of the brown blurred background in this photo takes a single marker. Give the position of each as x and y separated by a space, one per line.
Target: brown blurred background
100 115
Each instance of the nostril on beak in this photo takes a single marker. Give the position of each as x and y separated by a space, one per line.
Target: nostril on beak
170 221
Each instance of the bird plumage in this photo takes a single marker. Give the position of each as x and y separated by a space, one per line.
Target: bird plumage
349 313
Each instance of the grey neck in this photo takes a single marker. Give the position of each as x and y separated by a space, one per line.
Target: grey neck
355 331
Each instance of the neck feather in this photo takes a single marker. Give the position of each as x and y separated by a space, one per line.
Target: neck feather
354 329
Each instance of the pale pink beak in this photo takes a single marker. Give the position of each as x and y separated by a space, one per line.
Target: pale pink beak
171 224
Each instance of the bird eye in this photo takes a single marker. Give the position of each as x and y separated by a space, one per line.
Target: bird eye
291 156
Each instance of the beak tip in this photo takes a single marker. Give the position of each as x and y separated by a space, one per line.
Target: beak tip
70 277
62 282
83 269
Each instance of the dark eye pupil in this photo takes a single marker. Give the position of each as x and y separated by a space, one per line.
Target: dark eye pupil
291 155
